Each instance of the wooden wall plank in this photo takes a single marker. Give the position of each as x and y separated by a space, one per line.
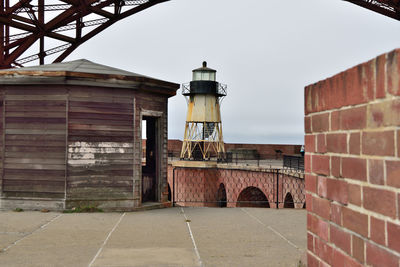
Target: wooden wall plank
39 151
34 103
88 115
95 133
103 99
35 126
103 127
26 166
43 161
38 120
34 186
39 174
91 92
52 155
35 98
103 105
34 90
103 121
32 108
35 142
36 114
116 111
30 194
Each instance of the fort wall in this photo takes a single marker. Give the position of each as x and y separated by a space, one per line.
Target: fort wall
352 125
266 151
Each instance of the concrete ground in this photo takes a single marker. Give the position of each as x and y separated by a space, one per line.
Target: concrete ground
164 237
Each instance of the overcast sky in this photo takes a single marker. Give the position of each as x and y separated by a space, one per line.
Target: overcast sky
265 51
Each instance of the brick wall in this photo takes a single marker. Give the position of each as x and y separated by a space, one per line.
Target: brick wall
266 151
174 147
352 140
199 186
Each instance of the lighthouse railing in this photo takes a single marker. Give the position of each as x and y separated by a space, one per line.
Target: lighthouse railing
222 89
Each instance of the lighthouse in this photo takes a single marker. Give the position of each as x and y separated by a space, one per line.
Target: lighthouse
203 139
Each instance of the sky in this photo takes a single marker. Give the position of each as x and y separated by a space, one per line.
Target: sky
265 51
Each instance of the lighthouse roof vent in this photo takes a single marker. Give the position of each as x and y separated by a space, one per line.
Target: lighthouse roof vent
204 68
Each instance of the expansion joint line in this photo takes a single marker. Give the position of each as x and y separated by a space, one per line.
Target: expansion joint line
192 237
106 240
272 229
31 233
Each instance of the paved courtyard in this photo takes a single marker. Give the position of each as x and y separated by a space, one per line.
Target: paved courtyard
164 237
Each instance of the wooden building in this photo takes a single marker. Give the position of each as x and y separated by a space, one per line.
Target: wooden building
71 136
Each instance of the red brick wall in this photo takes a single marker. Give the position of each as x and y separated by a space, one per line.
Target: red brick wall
266 151
352 141
199 186
174 147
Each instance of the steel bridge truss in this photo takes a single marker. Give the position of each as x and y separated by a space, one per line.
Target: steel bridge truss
389 8
34 29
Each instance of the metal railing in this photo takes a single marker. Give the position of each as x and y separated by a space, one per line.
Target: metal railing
222 89
293 162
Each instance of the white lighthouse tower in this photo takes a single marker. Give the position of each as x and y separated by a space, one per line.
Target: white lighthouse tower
203 138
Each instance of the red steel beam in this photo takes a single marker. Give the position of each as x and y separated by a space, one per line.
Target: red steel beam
19 4
31 20
389 8
41 40
104 26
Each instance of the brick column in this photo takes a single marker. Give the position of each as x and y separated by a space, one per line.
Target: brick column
352 142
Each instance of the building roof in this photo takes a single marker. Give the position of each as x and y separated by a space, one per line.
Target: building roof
84 72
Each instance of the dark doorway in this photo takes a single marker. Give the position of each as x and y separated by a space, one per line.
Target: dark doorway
252 197
221 196
288 201
150 159
169 193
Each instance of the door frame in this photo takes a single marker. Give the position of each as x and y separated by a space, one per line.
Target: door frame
157 115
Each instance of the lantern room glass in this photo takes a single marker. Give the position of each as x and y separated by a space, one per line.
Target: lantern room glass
203 76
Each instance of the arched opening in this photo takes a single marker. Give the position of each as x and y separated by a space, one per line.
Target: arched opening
169 193
289 203
252 197
304 205
221 198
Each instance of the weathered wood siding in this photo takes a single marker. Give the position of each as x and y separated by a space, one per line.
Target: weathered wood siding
1 140
78 143
35 138
100 144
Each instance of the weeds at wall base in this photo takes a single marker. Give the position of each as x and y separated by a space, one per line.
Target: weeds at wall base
85 209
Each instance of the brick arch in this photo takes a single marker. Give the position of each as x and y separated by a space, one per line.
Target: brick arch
252 197
169 192
221 196
236 181
288 202
296 187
